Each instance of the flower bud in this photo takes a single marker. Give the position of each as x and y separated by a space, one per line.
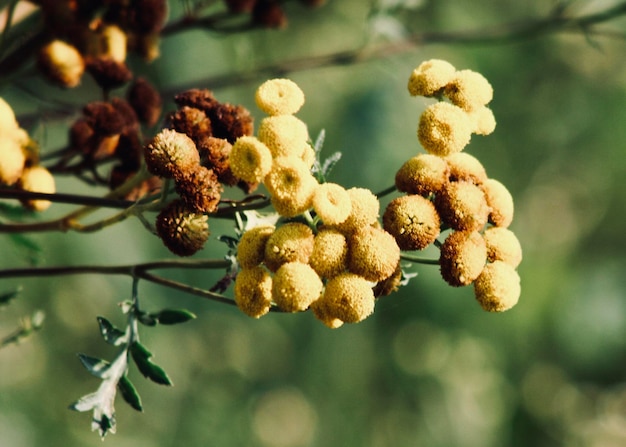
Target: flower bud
413 221
253 291
37 179
62 63
498 287
170 153
279 97
462 258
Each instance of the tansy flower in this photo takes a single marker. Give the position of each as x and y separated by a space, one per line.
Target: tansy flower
170 153
113 43
413 221
347 297
284 135
291 185
469 90
183 231
12 159
330 253
62 63
430 77
503 245
422 174
295 287
253 291
308 156
363 211
484 121
462 258
199 188
498 287
464 166
500 202
251 247
462 205
373 254
444 129
279 97
250 160
323 312
332 203
292 242
37 179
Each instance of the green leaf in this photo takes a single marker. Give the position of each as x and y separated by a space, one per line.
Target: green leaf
173 316
141 356
110 333
146 318
129 393
8 296
94 365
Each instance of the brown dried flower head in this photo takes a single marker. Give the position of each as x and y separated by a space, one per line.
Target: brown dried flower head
423 174
413 221
462 206
463 256
182 230
171 153
199 188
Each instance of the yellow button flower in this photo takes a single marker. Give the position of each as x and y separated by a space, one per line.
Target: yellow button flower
469 90
373 254
253 291
500 202
291 185
444 129
250 160
284 135
332 203
12 159
279 97
295 287
330 253
364 210
503 245
430 77
347 297
292 242
463 206
464 166
422 174
498 287
37 179
62 63
251 247
462 258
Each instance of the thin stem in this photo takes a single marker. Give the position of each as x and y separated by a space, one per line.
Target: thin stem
386 191
419 260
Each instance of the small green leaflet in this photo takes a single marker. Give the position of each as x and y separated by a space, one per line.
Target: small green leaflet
110 333
173 316
141 356
97 367
129 393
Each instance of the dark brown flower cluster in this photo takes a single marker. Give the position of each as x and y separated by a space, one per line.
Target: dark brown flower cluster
95 36
194 152
265 13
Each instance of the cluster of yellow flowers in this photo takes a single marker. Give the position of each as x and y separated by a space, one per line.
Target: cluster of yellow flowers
18 164
449 189
329 264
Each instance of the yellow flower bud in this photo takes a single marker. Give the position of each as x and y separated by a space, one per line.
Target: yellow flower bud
250 160
293 242
114 43
373 254
422 174
462 205
469 90
295 287
279 97
251 247
330 253
498 287
62 63
413 221
348 297
12 159
484 121
253 291
462 258
363 211
444 129
332 203
500 202
291 185
171 153
503 245
284 135
464 166
37 179
430 77
322 312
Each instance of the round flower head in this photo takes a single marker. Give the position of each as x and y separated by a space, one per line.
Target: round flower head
12 159
200 189
347 297
363 211
413 221
114 42
464 166
469 90
498 287
284 135
293 242
291 184
373 254
62 63
462 205
251 247
484 121
7 117
330 253
308 156
253 291
183 231
500 202
332 203
279 97
462 258
430 77
295 287
171 153
503 245
322 312
422 174
444 129
37 179
389 285
250 160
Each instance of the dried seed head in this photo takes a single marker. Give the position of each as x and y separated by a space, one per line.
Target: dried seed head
199 188
192 122
171 153
462 258
182 230
146 100
413 221
109 73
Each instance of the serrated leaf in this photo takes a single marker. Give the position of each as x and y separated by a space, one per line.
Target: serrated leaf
110 333
8 296
173 316
141 356
129 393
330 163
94 365
319 141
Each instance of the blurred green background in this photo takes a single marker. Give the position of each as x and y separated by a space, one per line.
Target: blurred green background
429 368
